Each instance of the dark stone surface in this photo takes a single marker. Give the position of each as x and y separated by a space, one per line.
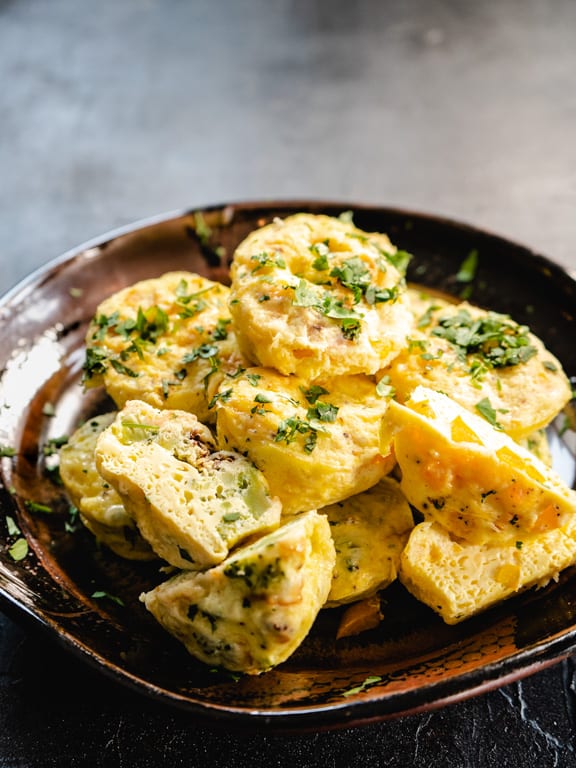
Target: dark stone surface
115 111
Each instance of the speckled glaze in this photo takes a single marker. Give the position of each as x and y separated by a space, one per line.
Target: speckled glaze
412 661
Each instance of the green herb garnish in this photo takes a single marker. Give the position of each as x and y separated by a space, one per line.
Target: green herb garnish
102 594
18 550
484 408
494 339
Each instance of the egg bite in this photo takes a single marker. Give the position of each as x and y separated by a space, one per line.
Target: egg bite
458 579
473 354
461 471
191 502
316 444
251 612
369 532
100 507
313 293
167 341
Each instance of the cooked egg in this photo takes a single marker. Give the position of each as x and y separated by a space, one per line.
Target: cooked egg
100 508
316 444
314 294
168 341
472 354
369 532
458 579
460 471
192 503
251 612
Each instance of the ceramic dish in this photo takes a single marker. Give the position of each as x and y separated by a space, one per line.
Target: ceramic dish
412 661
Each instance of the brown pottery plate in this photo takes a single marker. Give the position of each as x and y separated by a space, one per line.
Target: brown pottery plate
412 661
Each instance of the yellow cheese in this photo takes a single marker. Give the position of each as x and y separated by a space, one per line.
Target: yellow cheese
251 612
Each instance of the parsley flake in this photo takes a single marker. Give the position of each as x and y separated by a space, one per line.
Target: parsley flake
485 409
18 550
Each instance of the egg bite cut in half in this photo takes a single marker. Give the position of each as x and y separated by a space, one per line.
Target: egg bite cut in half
316 444
458 580
251 612
191 502
463 472
312 293
167 341
100 507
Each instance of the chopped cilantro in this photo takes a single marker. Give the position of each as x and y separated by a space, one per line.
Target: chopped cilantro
94 363
123 369
221 331
313 393
329 306
264 259
369 681
12 527
494 339
102 594
204 351
35 506
289 429
201 228
354 275
222 397
467 271
321 251
260 399
52 445
384 388
399 259
18 550
322 412
484 408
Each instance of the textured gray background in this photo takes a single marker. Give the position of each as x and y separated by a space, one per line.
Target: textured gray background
121 109
116 110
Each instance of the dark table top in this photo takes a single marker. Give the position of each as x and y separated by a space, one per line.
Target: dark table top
123 109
